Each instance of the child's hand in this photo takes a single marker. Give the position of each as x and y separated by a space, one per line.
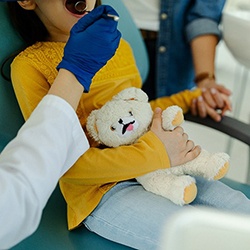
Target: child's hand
212 103
93 41
179 149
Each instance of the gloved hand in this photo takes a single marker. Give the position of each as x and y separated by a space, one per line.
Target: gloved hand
93 41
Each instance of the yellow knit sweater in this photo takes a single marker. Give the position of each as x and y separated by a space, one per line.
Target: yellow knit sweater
95 172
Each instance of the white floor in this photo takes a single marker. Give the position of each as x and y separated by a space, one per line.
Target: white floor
214 141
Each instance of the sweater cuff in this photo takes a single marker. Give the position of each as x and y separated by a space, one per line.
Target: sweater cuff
161 150
203 26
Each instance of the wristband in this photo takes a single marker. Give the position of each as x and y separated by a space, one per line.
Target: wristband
204 75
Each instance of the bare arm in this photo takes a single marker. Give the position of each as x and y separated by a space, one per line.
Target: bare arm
203 51
216 96
67 87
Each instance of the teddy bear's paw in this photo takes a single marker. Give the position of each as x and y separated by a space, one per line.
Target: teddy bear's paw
172 117
219 165
190 193
222 172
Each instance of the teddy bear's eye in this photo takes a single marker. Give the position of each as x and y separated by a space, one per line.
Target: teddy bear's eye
130 112
112 128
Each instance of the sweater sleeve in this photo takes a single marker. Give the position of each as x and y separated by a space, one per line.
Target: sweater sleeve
182 99
101 166
29 84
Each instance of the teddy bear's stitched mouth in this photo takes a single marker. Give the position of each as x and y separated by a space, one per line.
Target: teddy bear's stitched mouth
125 126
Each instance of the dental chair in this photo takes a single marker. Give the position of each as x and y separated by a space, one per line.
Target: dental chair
52 233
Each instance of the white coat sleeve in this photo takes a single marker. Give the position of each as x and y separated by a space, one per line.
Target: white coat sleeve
45 147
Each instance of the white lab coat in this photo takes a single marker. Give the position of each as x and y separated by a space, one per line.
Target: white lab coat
30 165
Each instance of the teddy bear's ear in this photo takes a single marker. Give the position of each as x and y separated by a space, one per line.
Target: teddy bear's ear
91 125
132 94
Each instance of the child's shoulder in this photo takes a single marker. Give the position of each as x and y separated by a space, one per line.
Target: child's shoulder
42 49
40 53
124 45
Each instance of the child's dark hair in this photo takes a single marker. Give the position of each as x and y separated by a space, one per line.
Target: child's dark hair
28 24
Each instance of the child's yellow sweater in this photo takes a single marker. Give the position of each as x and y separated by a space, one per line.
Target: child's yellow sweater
95 172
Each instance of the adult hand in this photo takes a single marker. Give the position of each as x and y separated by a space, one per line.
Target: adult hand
179 149
215 94
214 106
93 41
211 83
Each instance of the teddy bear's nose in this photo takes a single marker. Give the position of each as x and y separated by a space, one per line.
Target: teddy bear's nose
120 121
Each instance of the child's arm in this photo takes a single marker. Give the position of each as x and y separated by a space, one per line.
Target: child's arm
183 99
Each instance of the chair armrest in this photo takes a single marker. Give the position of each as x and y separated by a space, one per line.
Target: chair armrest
228 125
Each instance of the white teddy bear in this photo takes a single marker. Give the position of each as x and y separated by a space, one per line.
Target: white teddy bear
126 117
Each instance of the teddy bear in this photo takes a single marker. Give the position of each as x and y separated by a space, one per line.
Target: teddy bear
126 117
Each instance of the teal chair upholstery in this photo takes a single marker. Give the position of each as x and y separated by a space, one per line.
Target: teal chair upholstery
52 233
10 116
130 32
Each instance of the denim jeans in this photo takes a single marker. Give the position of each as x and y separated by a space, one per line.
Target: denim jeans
129 215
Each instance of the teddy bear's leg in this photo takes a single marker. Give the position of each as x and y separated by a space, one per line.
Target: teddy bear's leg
224 169
210 166
179 189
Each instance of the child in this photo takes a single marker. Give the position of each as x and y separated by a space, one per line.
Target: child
100 189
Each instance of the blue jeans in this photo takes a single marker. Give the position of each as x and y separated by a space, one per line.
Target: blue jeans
129 215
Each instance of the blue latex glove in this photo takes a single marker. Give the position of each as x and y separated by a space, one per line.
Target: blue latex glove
93 41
